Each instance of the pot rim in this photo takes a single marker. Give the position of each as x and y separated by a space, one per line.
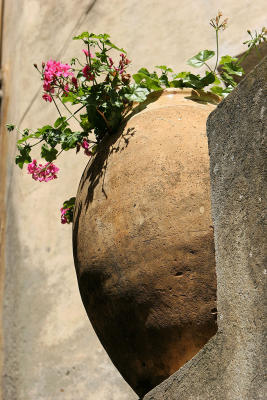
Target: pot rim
192 94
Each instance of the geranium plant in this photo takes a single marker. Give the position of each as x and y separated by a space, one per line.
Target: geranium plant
101 93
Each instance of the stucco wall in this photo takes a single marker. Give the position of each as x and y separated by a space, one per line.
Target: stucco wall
51 351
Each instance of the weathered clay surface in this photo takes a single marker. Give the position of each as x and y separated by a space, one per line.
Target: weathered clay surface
143 241
232 364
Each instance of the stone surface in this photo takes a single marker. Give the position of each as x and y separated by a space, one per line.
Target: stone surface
49 345
143 240
231 366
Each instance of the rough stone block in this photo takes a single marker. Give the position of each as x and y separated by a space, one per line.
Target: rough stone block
231 365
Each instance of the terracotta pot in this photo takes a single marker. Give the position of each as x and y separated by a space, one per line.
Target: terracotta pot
143 240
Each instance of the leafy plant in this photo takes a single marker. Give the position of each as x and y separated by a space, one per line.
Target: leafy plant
101 93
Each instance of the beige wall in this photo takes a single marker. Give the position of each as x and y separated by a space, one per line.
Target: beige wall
51 351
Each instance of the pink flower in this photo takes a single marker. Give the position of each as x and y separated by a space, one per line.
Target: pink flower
66 90
54 70
47 97
86 72
42 173
63 216
74 82
85 146
87 53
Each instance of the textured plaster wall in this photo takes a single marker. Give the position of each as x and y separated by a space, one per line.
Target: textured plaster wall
51 351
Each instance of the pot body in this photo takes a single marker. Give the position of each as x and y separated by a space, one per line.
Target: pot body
143 240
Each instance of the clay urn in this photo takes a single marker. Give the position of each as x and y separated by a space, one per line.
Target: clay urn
143 240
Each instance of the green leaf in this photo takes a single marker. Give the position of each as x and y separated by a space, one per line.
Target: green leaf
70 98
222 91
138 94
182 75
26 132
59 121
69 203
233 68
85 124
24 156
177 84
25 138
164 81
48 153
138 77
148 80
141 74
164 68
217 80
200 59
82 36
194 81
227 59
228 79
101 36
217 90
10 127
208 79
113 46
43 130
71 139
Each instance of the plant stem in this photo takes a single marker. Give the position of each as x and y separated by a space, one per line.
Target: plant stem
239 62
258 52
209 67
217 48
59 153
56 106
35 144
90 63
72 115
104 118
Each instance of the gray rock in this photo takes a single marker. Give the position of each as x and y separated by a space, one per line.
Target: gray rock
231 365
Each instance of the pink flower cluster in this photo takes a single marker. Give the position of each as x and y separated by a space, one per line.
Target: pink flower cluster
47 97
123 62
42 173
52 71
64 219
121 69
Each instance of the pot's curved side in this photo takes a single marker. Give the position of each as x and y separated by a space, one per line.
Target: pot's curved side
143 241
